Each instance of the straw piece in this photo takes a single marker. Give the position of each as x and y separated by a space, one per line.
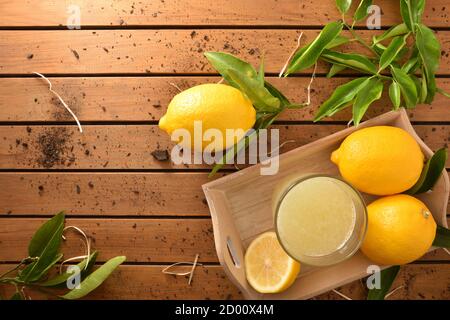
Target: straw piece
190 273
71 259
313 76
61 100
392 292
342 295
446 251
175 86
291 55
193 268
281 146
220 81
87 242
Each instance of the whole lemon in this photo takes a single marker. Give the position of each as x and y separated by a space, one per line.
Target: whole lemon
380 160
216 106
400 230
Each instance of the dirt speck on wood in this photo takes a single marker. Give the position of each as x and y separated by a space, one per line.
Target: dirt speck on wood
161 155
52 144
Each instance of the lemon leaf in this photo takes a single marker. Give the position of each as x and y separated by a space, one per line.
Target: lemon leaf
431 172
223 62
261 98
442 239
308 55
387 278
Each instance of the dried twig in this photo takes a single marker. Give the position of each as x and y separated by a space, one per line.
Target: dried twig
291 55
61 100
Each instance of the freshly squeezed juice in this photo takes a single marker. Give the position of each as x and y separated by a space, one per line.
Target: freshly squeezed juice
320 220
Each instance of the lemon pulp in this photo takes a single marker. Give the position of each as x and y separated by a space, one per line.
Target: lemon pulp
316 217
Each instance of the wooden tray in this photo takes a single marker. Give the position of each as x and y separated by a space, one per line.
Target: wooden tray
241 209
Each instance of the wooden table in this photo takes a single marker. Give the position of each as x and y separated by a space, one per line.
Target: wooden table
116 74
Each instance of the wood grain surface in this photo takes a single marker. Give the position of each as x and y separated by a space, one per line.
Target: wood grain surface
118 99
198 12
118 74
157 51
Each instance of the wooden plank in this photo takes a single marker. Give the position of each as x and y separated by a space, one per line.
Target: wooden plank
199 12
146 98
415 282
155 51
99 194
428 281
148 282
141 240
130 146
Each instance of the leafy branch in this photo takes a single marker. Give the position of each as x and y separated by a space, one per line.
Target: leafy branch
408 70
431 173
43 256
268 101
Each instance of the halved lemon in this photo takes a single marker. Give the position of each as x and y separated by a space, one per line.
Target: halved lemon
268 267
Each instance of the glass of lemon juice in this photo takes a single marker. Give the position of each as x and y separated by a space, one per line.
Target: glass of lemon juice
320 220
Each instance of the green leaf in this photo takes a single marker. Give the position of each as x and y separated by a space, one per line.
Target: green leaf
388 276
341 97
95 279
442 238
335 69
378 48
44 245
336 42
431 172
349 60
44 234
407 86
365 97
62 278
394 31
411 65
231 152
309 56
277 93
17 296
392 51
411 11
423 89
430 53
223 62
260 76
343 5
257 93
361 11
442 91
394 94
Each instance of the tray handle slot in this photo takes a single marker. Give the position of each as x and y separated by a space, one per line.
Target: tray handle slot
233 254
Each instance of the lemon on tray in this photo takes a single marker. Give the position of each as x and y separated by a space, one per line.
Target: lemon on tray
380 160
269 269
216 106
400 230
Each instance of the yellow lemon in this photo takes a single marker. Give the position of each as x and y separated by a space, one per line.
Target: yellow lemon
400 230
209 106
268 267
380 160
